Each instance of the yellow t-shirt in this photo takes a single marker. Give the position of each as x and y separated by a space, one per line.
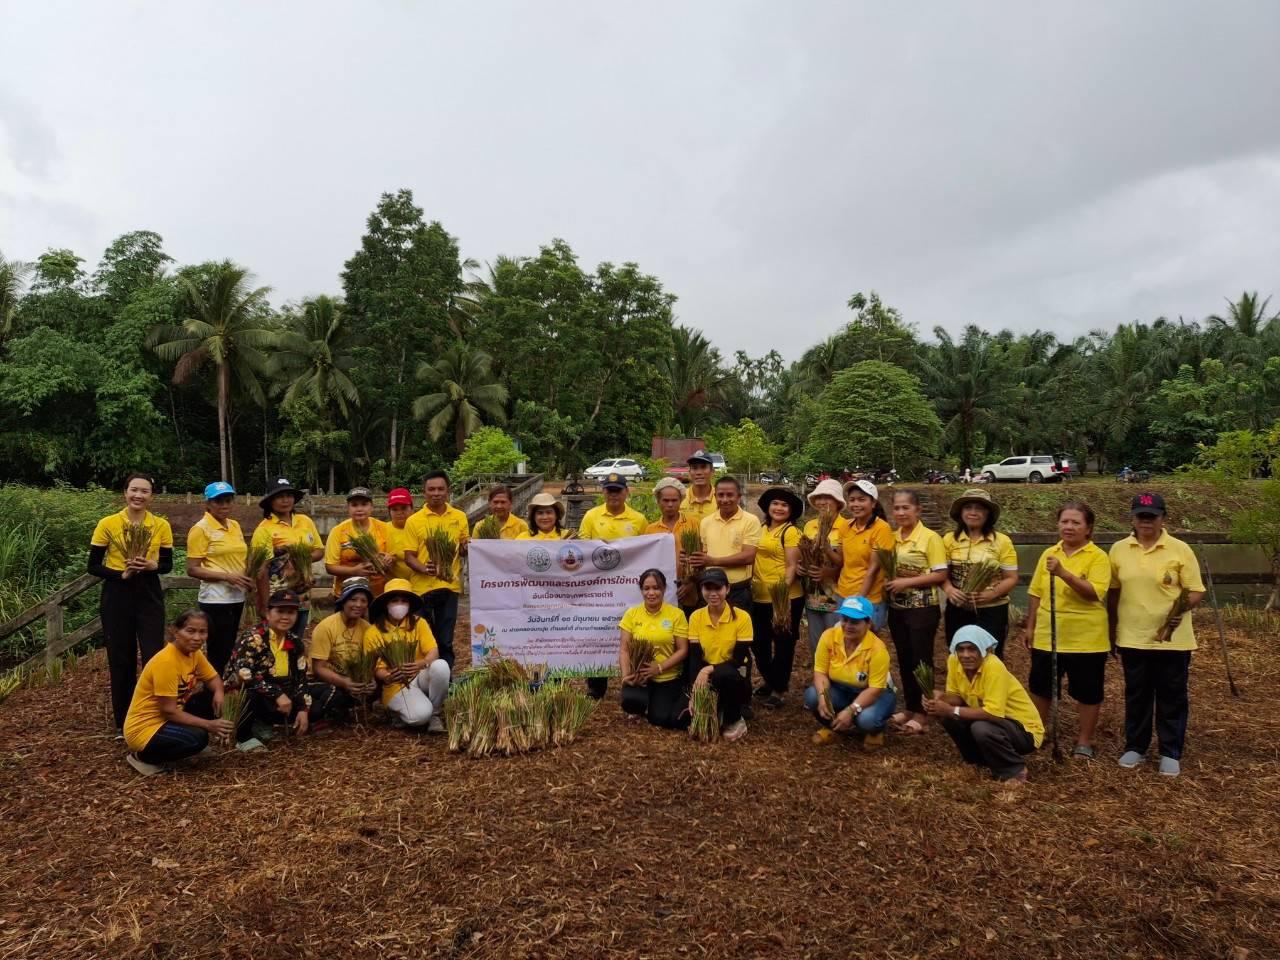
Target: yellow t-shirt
771 561
921 550
1082 624
454 522
113 527
997 691
963 552
373 640
170 673
222 549
866 666
600 524
334 641
719 639
398 541
553 535
697 510
661 629
338 550
511 530
856 544
724 538
1150 582
278 534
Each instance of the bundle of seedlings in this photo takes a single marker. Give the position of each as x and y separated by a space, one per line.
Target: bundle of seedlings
511 707
704 713
398 649
567 710
978 577
484 725
366 548
923 673
501 673
640 653
458 709
1176 613
255 562
441 551
133 541
687 576
779 596
536 723
299 555
816 552
490 528
234 703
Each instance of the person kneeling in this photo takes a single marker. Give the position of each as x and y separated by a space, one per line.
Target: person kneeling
985 709
164 723
414 692
852 690
337 649
719 646
655 689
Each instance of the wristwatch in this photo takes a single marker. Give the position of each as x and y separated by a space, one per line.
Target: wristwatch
955 712
856 708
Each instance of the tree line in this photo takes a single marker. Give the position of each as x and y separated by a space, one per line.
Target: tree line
191 371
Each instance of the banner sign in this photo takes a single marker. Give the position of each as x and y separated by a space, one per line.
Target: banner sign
558 602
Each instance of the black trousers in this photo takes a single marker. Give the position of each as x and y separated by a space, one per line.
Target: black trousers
132 614
224 626
440 608
732 689
324 698
913 630
1156 678
994 620
663 704
775 650
998 745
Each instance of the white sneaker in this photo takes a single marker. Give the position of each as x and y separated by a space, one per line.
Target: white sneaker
146 769
1131 759
1170 767
435 725
735 731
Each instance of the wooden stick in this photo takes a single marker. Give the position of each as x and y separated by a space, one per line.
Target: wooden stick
1217 616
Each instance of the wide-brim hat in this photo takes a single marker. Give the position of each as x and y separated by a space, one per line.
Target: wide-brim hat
975 496
790 497
399 587
547 500
864 486
280 486
828 488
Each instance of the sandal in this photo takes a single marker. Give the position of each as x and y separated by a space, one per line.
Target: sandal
1084 750
913 727
899 718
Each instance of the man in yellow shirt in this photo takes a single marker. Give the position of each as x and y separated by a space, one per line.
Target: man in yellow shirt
985 709
729 540
510 526
439 589
700 501
613 519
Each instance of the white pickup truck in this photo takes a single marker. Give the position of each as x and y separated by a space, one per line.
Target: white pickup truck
1035 468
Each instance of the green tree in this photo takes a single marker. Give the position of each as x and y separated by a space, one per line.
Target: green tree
486 450
314 353
696 376
972 388
13 275
874 414
747 448
462 390
1260 524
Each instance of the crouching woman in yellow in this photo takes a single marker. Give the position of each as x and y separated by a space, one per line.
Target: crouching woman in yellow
415 692
985 709
655 689
163 724
852 691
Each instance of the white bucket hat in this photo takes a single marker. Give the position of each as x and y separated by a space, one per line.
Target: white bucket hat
827 488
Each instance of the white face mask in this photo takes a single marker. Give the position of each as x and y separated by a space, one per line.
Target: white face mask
398 610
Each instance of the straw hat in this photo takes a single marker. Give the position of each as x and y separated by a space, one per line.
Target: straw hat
975 495
547 500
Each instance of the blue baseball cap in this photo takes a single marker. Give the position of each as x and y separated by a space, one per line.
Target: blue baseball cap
857 608
219 488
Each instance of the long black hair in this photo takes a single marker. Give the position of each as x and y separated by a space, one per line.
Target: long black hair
988 522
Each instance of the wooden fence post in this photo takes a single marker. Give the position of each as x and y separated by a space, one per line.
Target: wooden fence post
52 630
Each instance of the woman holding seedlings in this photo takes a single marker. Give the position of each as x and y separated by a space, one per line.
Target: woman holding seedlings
1076 574
129 550
866 532
163 723
917 564
852 689
359 546
980 556
546 519
337 644
216 554
777 598
719 645
507 524
291 537
822 533
415 680
655 643
985 710
1155 584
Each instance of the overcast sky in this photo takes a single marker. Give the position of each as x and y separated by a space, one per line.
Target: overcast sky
1016 164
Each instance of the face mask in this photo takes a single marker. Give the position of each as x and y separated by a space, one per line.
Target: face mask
398 611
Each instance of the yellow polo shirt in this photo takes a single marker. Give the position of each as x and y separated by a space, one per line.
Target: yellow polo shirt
553 535
600 524
511 530
963 553
338 550
997 691
170 673
866 666
921 551
454 522
374 638
723 538
719 639
661 629
683 524
696 510
1150 582
1082 624
222 548
114 527
856 544
398 542
771 561
824 599
334 641
276 534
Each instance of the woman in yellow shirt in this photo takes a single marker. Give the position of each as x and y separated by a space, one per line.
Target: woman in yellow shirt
546 519
281 527
985 710
866 532
975 540
823 601
777 560
216 554
415 692
340 557
719 648
1079 574
655 690
852 690
132 604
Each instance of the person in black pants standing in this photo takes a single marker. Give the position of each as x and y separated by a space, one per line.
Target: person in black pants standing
129 550
216 554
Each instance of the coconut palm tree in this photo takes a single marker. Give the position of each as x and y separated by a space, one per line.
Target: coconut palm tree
13 274
1235 337
314 353
225 323
972 387
462 390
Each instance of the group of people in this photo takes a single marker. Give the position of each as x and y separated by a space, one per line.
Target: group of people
849 574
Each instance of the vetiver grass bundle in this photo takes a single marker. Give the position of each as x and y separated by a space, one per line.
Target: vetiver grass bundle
815 552
490 528
441 551
568 710
1176 612
234 703
888 557
134 541
358 665
399 649
978 577
484 725
687 587
640 652
501 673
299 555
366 548
923 673
779 596
255 562
704 712
458 710
511 707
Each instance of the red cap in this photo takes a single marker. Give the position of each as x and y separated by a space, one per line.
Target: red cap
398 496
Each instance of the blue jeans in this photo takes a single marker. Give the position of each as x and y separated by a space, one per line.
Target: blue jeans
871 720
173 742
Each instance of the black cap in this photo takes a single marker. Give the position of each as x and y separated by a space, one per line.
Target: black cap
284 598
700 456
715 575
615 481
1147 503
360 493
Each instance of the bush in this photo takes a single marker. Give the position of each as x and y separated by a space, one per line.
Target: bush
488 450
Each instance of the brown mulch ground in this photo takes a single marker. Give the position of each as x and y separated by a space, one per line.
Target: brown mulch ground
638 843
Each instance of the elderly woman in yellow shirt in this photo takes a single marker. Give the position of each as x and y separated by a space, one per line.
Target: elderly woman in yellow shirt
655 689
823 601
985 710
1079 574
216 554
852 690
777 561
974 540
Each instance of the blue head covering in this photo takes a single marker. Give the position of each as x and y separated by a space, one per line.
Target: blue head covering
974 634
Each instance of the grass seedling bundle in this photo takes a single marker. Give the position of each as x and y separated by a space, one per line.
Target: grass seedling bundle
979 577
490 528
567 710
511 707
640 653
458 710
234 703
399 649
704 712
1176 612
923 673
133 542
501 673
299 555
366 548
779 596
687 587
484 725
816 552
441 551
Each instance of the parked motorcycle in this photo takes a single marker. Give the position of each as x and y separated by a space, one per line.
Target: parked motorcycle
1129 475
938 476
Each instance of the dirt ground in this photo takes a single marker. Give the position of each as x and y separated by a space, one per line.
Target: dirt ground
638 843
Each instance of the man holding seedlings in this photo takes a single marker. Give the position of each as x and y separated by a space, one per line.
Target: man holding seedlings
700 501
437 536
